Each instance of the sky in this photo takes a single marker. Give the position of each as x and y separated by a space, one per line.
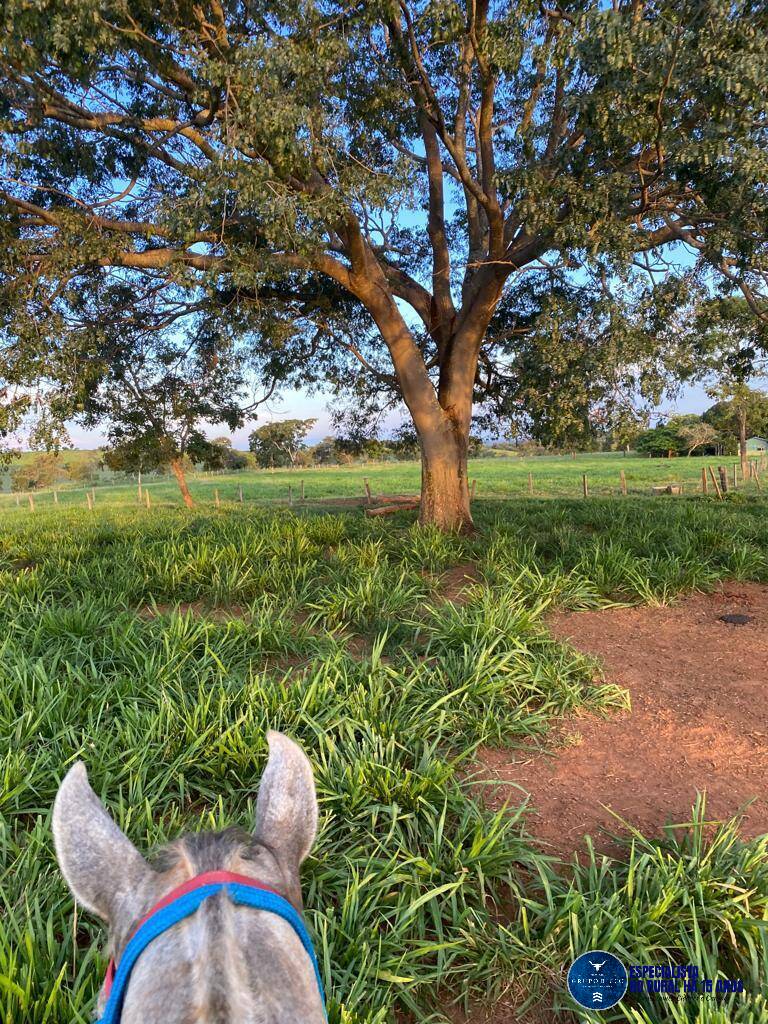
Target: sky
299 405
293 405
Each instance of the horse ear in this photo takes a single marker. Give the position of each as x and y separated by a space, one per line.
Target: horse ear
102 867
286 807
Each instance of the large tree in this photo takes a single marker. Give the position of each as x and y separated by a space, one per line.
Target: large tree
354 187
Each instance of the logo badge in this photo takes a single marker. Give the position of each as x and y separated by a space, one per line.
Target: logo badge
597 980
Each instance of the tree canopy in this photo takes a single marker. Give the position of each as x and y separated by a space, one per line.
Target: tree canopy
661 440
694 433
730 344
358 190
154 389
279 443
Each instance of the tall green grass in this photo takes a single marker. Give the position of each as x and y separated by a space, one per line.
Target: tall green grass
698 895
161 648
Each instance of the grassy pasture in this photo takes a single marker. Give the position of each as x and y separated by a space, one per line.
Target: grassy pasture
332 627
557 476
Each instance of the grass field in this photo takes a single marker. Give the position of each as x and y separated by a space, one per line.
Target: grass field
501 478
333 628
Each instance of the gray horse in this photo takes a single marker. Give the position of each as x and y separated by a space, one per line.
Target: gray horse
226 962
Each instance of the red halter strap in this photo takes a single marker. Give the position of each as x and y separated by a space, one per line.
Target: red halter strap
206 878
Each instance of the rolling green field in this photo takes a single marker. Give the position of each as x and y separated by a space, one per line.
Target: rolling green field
159 647
500 478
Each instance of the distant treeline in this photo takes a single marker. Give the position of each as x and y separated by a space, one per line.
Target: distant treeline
282 444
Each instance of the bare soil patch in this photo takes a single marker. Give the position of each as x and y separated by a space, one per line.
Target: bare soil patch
21 565
699 722
198 609
456 582
506 1011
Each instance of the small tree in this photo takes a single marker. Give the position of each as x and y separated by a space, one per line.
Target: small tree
44 470
279 443
694 432
740 411
324 453
153 390
660 441
224 456
82 470
732 344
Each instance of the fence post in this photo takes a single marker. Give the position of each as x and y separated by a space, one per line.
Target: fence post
472 490
735 480
240 493
139 485
718 492
302 490
217 500
290 494
530 483
31 503
704 488
146 495
89 500
585 485
723 474
367 490
623 478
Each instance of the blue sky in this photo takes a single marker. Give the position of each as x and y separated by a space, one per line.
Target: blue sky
292 405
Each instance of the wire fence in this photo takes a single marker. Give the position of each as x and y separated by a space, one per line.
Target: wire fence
301 489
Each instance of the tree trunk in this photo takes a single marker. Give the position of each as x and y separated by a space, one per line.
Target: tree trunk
181 480
442 420
743 444
444 483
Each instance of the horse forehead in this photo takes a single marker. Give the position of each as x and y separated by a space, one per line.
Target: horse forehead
199 852
205 851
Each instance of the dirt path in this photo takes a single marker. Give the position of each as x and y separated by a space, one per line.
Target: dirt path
699 721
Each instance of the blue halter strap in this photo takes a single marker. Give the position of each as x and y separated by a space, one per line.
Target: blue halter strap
167 915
